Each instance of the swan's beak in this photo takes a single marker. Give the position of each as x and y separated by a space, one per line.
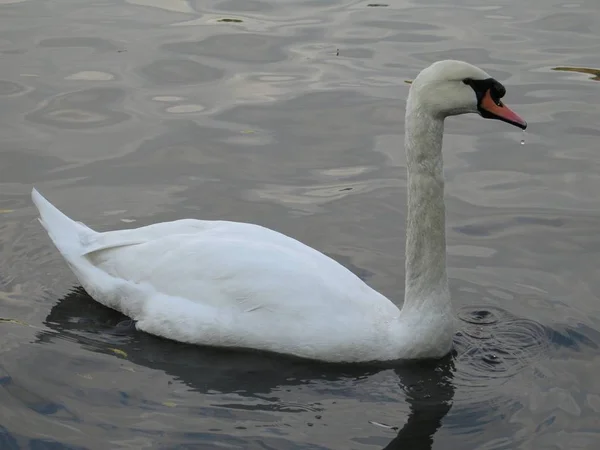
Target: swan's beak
495 109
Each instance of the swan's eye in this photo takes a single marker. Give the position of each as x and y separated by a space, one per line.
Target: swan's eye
498 90
496 95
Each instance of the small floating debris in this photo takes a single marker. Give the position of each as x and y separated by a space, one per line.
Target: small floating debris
227 20
587 70
16 321
6 211
408 81
119 352
170 404
377 5
383 425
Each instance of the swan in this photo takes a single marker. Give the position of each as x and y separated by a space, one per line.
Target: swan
240 285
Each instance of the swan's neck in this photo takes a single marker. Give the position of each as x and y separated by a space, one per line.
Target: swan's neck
425 326
426 279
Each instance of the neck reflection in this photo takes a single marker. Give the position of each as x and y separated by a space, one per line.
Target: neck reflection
429 391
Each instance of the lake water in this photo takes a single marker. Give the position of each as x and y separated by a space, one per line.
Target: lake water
290 114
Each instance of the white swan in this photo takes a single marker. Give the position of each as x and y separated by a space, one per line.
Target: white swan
241 285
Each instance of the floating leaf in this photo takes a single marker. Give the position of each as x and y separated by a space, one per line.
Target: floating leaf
170 404
18 322
6 211
408 81
383 425
116 351
230 20
594 72
377 5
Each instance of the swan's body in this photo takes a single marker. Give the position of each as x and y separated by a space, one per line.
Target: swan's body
241 285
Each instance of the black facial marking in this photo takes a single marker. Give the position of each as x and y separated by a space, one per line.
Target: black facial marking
497 90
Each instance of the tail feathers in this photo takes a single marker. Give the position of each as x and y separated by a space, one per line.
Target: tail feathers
70 237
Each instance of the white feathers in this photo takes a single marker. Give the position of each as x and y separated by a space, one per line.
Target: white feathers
241 285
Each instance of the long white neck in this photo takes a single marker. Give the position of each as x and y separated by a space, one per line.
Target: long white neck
425 325
426 279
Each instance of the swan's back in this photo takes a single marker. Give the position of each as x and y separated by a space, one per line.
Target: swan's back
232 265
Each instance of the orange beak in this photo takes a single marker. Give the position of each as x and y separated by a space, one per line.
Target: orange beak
495 109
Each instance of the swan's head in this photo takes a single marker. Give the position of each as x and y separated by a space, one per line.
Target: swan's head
448 88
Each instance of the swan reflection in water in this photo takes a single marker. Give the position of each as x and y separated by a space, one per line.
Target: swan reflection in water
428 385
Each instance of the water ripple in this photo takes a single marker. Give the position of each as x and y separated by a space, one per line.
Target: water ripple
8 88
88 108
497 344
244 47
179 72
74 42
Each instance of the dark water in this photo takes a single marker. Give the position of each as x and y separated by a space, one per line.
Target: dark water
128 113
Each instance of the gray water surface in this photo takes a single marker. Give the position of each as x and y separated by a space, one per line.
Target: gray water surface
125 113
